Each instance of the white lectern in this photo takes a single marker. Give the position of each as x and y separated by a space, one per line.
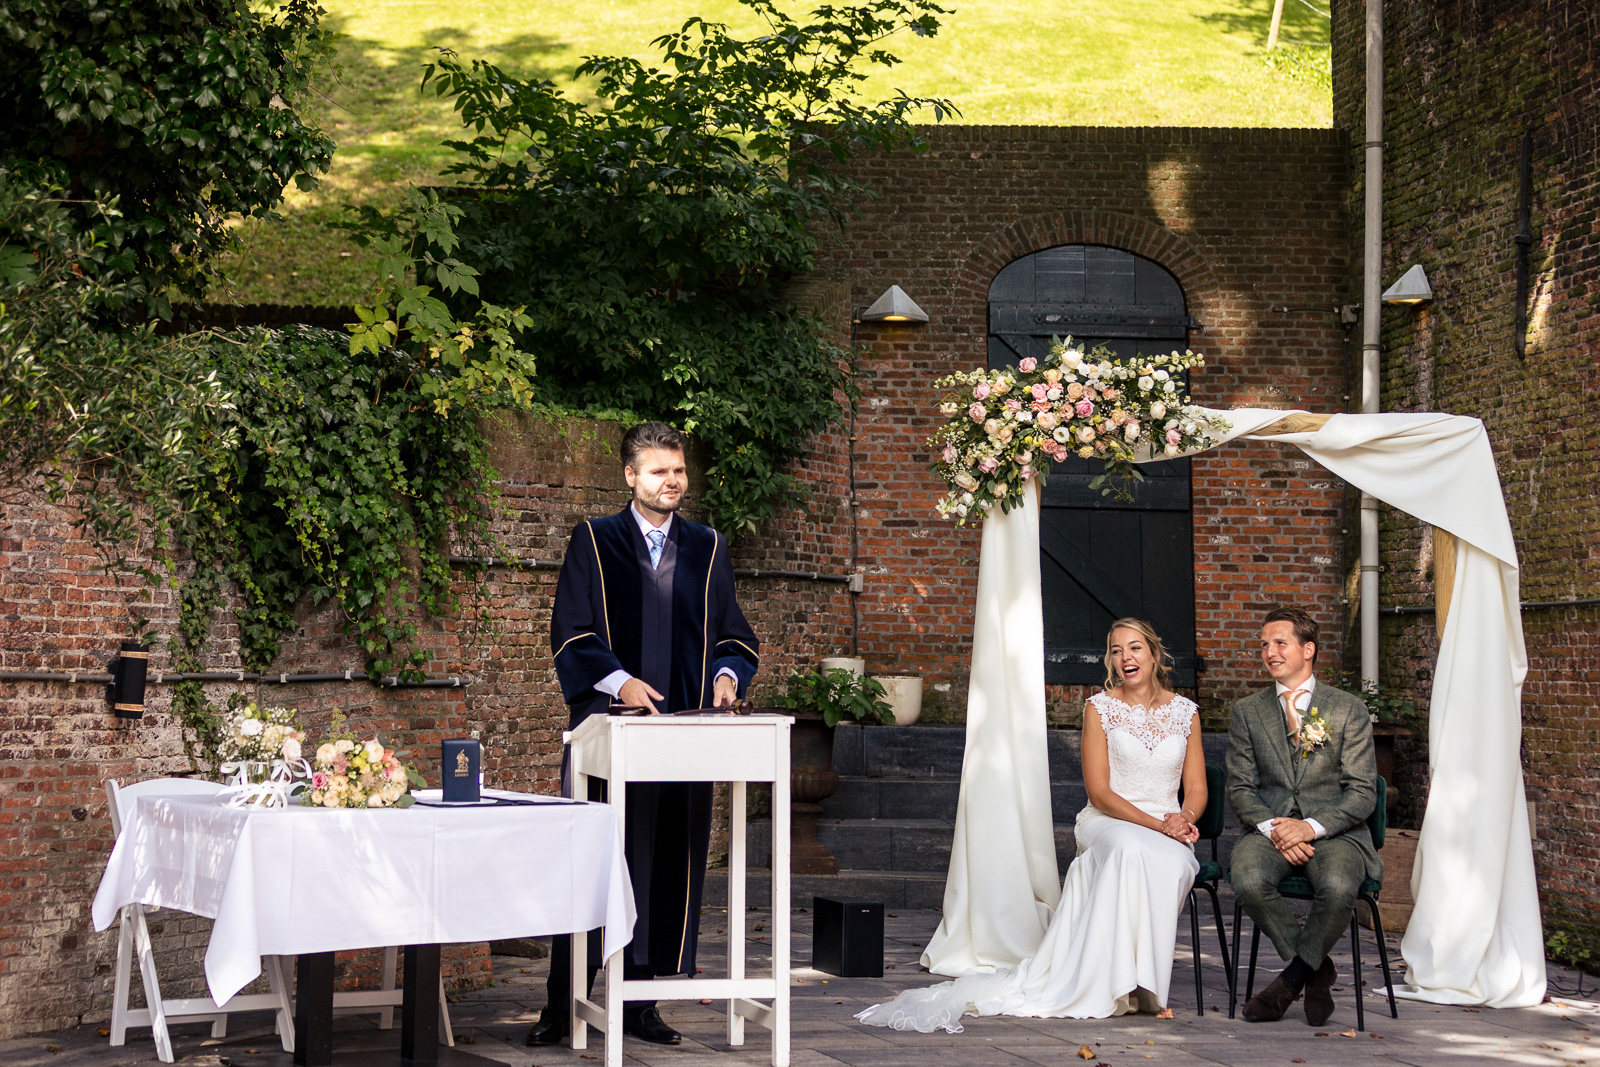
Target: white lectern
694 748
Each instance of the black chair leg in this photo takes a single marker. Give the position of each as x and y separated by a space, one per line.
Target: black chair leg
1194 933
1233 971
1355 957
1383 953
1250 975
1222 937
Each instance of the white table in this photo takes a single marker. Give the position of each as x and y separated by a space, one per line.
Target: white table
694 748
303 881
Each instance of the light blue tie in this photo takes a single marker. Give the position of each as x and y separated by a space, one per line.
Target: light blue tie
658 542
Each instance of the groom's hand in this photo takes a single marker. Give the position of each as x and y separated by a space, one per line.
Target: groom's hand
1289 832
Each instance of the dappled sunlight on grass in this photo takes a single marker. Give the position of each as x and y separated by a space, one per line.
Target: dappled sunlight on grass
1003 62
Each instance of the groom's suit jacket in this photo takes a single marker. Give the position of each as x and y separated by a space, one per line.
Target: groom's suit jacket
1337 784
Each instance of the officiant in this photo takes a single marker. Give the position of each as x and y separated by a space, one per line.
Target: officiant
645 617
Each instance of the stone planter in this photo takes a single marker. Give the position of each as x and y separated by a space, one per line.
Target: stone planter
811 781
853 664
903 692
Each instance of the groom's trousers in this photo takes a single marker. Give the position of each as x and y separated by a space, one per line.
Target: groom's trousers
1335 873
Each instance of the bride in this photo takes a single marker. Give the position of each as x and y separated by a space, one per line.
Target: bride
1108 950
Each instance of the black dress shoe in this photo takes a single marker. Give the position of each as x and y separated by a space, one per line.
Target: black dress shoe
1319 994
646 1025
552 1028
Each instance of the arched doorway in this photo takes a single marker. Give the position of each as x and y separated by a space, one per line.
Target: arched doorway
1103 558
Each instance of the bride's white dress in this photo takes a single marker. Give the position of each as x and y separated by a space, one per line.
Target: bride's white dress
1109 948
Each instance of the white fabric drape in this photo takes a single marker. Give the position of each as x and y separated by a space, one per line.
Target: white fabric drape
1475 936
1003 883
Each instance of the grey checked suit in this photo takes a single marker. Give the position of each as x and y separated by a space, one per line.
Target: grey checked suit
1335 785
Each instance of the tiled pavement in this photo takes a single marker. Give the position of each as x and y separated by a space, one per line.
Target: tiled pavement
492 1022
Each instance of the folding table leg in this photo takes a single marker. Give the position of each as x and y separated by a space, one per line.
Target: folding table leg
617 791
578 980
419 1006
313 1010
278 983
736 888
391 961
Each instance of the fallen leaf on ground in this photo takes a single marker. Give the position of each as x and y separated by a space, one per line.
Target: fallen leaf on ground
888 966
106 1031
1378 1036
525 970
708 1001
1347 1033
466 1039
1149 1042
1321 1033
1472 1010
52 1049
1297 1061
1164 1013
1085 1052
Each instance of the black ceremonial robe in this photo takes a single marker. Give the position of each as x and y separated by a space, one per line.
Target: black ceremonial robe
676 627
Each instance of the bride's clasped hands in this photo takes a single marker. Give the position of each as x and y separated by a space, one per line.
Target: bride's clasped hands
1108 949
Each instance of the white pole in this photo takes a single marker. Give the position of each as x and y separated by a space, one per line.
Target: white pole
1371 327
1277 18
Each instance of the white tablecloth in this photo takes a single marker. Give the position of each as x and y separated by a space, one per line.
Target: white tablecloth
297 880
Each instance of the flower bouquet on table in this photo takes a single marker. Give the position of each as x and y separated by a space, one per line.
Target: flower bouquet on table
260 755
350 773
1005 423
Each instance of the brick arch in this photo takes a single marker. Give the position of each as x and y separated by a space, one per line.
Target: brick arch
1148 239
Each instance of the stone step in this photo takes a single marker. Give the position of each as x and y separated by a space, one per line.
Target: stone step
894 889
927 798
937 751
889 845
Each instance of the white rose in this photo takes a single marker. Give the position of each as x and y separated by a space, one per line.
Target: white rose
1072 358
374 751
325 753
1052 394
1172 450
1061 435
1158 410
966 481
344 744
999 488
1104 368
291 750
330 799
1024 416
948 408
374 801
1048 420
250 727
1086 434
1025 458
1169 388
961 509
1131 431
1146 384
992 427
966 498
1162 375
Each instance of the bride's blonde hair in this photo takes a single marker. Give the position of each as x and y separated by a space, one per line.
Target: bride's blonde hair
1158 652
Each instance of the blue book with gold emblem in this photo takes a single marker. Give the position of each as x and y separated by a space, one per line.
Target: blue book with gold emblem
458 770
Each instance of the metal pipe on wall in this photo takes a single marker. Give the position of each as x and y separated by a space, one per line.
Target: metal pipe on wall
1371 327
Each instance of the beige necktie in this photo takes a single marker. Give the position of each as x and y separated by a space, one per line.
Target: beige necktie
1291 715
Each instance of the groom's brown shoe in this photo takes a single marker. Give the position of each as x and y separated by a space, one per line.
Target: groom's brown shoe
1319 994
1269 1005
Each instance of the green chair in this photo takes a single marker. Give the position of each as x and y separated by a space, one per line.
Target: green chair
1210 827
1298 887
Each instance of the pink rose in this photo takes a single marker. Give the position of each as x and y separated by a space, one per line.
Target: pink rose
977 412
1040 390
1027 365
1027 472
1174 437
1084 409
980 391
949 454
989 465
1013 404
1109 394
319 780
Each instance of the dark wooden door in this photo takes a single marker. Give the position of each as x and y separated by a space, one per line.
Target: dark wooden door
1103 558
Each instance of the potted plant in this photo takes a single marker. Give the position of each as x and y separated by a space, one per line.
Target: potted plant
819 701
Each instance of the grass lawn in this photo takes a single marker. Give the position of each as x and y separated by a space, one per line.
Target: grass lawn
1003 62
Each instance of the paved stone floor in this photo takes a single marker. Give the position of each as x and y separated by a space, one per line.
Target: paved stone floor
492 1022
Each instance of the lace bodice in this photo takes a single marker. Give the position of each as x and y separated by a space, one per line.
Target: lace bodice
1146 747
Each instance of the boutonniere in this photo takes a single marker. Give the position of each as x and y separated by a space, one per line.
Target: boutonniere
1312 733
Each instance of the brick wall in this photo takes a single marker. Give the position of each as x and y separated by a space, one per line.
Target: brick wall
58 744
1245 219
1464 80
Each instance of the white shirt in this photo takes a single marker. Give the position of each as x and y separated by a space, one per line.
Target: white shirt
1301 703
612 683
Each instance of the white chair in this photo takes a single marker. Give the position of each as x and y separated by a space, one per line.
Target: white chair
134 938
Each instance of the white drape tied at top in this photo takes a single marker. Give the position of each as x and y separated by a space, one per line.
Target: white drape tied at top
1474 937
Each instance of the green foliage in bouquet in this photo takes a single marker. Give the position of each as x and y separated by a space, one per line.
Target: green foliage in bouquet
646 236
837 694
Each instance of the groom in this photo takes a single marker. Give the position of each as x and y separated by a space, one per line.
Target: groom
1303 779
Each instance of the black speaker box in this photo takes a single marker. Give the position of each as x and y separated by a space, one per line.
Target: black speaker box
847 937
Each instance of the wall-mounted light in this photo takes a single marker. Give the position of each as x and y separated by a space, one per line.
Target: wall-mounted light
1411 288
125 691
893 306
